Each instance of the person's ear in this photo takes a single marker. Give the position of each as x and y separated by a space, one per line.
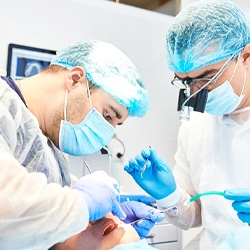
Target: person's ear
246 55
76 75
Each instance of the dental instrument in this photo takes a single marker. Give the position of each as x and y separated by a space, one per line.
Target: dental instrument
88 167
136 221
144 166
146 217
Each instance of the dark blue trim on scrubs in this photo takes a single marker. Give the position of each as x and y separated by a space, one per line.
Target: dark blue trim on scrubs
13 85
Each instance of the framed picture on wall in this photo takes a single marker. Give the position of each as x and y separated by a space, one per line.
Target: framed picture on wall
25 61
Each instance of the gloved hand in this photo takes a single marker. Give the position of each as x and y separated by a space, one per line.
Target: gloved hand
157 179
101 194
241 204
137 210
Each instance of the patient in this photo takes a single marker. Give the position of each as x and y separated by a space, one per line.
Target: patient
103 234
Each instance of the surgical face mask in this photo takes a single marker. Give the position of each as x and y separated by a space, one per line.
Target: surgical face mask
223 100
86 138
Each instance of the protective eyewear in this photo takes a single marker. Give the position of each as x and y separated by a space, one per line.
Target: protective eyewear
202 82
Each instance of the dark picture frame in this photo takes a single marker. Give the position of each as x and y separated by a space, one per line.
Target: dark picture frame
25 61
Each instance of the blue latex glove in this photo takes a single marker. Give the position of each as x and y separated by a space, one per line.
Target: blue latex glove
241 204
157 179
136 210
101 194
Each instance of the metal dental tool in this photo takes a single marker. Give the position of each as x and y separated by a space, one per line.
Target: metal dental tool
144 166
146 217
88 167
136 221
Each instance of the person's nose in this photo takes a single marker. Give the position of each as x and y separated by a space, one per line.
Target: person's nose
193 89
114 123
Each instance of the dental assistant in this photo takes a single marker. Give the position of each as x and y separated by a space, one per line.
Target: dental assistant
72 107
208 48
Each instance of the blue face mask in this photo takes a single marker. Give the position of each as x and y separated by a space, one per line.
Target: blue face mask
222 100
86 138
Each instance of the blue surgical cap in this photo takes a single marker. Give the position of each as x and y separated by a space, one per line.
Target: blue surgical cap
110 69
204 33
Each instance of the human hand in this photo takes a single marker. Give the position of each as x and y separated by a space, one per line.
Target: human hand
138 210
101 194
157 179
241 204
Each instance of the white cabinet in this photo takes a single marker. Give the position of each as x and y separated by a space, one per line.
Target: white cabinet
165 236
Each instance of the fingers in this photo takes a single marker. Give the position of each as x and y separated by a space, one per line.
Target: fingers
241 206
153 156
157 217
146 152
244 217
131 167
135 164
128 169
237 194
117 210
143 227
142 210
243 210
145 224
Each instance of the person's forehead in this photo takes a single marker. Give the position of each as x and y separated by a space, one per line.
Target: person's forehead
201 73
114 104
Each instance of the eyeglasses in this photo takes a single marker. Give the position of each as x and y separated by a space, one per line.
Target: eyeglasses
202 82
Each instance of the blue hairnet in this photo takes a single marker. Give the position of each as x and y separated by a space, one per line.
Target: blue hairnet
110 69
204 33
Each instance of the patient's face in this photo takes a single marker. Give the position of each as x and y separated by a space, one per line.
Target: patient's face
103 234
